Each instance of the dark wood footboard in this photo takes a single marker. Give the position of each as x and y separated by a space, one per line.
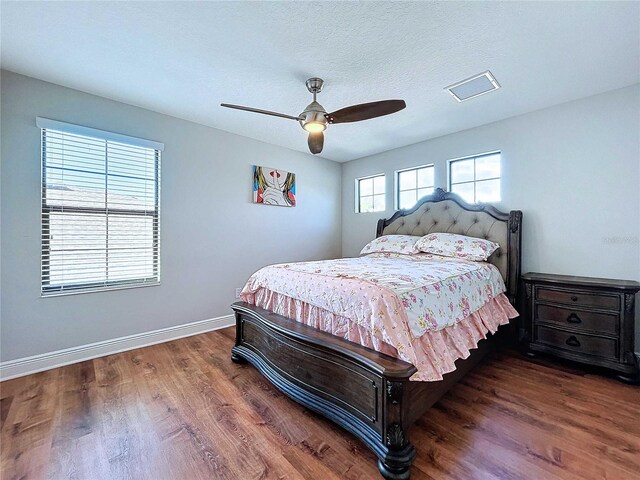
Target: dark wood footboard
363 391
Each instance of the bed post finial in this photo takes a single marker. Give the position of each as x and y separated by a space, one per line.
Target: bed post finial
439 194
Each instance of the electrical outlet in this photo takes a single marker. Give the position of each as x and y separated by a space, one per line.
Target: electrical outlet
238 290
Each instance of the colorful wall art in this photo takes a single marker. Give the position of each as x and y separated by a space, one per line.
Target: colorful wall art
274 187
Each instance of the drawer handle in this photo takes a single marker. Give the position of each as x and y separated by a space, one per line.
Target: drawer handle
573 318
574 298
573 341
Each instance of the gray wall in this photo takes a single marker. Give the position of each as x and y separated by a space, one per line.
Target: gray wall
212 236
573 169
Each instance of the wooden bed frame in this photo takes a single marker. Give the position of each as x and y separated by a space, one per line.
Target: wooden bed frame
363 391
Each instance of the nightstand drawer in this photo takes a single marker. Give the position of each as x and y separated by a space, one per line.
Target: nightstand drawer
607 323
579 298
576 342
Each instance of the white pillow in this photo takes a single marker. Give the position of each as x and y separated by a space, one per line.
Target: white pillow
458 246
392 244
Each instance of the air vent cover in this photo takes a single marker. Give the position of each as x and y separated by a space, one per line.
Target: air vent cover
474 86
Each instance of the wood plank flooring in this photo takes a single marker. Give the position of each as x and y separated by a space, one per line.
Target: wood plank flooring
183 410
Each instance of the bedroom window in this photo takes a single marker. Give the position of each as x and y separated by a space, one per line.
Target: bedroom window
476 179
100 209
412 184
370 194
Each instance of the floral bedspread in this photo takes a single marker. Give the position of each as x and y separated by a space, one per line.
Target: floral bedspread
423 292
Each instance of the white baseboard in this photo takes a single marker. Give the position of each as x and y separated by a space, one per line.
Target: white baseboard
59 358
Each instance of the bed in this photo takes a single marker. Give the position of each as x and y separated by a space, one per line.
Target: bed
367 392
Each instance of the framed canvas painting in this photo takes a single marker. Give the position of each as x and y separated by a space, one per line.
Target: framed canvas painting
274 187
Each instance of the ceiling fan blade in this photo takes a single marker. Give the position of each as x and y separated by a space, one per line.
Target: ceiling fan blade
365 111
316 142
257 110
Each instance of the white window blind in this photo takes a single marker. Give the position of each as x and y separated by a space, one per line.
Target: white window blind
100 211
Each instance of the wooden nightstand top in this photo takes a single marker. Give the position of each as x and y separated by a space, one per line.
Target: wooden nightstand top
554 279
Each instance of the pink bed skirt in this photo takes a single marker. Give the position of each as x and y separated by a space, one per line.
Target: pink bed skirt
435 352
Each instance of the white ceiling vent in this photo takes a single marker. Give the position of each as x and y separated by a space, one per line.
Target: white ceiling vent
474 86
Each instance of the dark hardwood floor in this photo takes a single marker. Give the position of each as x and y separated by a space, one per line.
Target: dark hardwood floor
183 410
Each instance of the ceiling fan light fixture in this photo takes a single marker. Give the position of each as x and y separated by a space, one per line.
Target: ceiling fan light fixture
314 127
314 119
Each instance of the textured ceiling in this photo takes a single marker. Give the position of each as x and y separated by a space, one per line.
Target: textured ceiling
184 59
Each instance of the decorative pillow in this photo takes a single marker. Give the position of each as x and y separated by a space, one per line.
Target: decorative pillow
459 246
392 244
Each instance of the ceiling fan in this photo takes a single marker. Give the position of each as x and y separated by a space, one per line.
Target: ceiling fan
314 119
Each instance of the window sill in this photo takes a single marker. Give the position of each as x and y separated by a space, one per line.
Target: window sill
96 290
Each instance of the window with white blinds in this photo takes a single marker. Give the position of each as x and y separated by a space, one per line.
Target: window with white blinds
100 210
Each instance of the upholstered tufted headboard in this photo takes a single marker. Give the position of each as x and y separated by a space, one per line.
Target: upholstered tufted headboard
447 212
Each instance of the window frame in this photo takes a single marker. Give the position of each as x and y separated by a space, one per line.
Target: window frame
46 290
475 180
396 189
358 197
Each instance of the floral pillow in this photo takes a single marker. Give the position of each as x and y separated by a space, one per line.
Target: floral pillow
458 246
392 244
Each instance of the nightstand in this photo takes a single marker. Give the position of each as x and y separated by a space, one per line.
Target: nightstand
587 320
